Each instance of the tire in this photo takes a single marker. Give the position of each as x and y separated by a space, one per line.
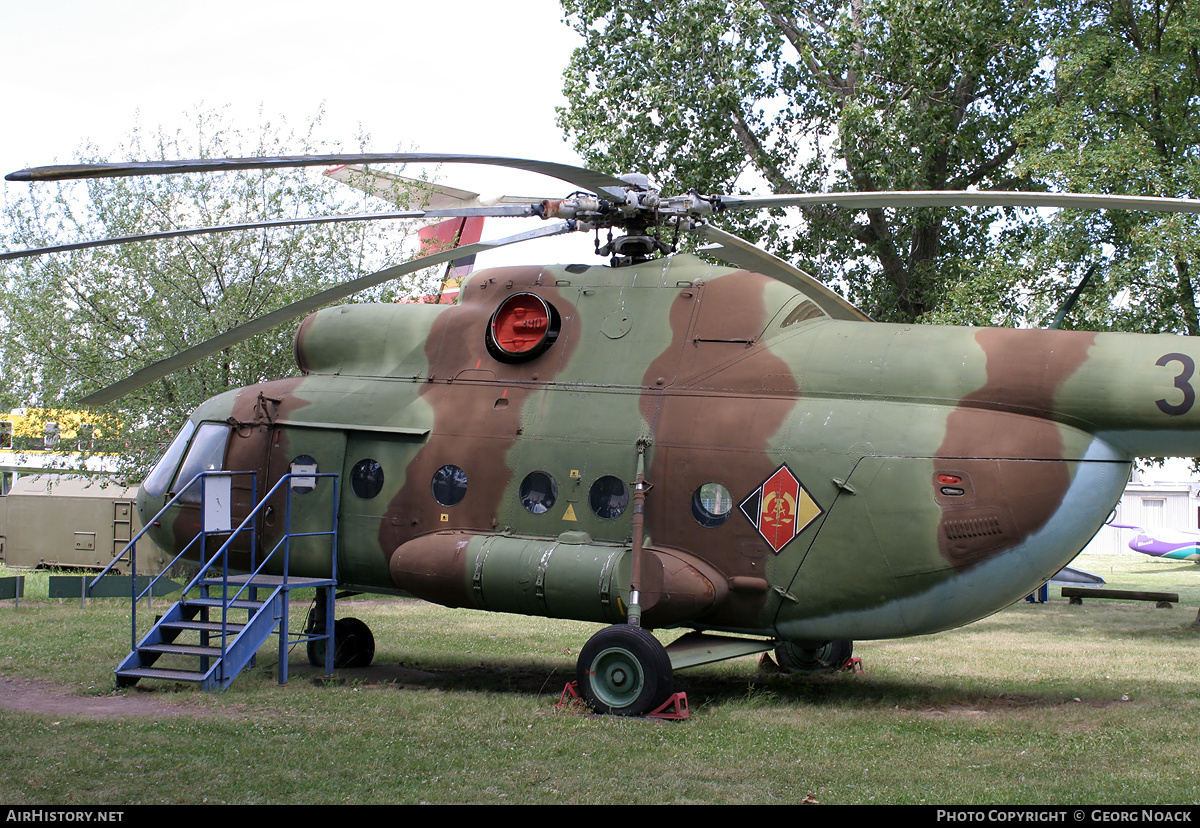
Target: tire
625 671
829 657
353 645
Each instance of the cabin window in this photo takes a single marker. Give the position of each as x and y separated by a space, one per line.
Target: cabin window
538 492
159 478
366 478
301 467
206 454
711 504
449 485
608 497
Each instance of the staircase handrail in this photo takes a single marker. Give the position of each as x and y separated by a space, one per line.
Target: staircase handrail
285 542
131 547
222 670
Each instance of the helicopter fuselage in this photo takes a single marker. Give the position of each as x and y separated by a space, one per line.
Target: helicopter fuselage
810 478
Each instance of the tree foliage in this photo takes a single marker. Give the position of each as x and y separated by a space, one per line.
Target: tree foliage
824 95
76 322
1124 117
1083 95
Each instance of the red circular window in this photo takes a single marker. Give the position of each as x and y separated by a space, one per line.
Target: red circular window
522 327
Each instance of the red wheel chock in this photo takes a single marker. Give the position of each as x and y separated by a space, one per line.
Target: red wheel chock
570 695
853 665
676 707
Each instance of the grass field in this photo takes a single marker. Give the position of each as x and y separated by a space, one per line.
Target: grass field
1039 704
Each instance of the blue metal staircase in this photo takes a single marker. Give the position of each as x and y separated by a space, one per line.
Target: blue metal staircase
213 652
214 631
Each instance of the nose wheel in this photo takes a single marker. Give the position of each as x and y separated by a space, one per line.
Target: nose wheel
353 643
624 670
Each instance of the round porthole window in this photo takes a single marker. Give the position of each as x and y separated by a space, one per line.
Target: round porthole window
366 479
538 492
711 504
608 497
449 485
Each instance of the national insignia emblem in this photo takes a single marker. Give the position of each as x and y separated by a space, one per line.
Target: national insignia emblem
780 508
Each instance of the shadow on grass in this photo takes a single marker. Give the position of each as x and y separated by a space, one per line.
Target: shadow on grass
1057 655
709 687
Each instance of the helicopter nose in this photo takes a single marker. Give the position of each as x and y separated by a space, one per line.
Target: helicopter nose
148 505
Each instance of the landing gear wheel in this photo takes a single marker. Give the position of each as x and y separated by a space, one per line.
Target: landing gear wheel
624 670
829 657
353 645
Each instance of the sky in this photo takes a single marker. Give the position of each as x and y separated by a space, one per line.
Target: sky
470 76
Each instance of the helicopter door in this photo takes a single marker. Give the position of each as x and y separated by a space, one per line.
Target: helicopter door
881 526
904 524
302 450
371 522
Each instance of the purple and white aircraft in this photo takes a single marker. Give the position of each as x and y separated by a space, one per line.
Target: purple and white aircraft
1175 544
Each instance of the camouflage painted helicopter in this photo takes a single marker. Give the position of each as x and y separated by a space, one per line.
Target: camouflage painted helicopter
667 443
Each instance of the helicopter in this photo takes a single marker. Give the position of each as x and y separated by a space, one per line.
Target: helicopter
731 450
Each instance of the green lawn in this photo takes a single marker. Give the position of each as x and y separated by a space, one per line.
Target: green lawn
1048 703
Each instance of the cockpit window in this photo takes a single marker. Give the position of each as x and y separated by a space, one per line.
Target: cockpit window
206 454
160 476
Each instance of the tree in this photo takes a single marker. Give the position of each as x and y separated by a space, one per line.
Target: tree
1123 117
865 95
77 322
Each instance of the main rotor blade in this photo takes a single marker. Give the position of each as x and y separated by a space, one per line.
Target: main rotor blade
500 210
741 253
964 198
412 193
579 176
233 336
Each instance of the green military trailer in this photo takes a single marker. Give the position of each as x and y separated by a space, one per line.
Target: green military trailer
53 521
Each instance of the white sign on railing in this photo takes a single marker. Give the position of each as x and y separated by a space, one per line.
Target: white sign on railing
218 515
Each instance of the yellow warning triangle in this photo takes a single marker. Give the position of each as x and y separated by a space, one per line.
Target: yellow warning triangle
570 515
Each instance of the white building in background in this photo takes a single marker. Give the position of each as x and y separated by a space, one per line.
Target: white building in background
1161 497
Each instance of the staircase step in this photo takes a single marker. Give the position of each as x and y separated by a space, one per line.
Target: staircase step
162 673
272 581
203 626
241 603
181 649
